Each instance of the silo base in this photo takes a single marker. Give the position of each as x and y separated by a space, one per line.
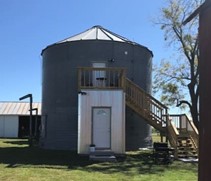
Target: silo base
138 132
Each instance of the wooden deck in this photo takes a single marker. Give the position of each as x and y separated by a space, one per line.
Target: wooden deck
181 133
101 78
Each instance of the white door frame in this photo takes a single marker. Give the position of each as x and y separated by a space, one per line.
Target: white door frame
99 74
106 131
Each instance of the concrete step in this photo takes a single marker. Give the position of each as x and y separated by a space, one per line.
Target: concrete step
103 158
102 152
102 155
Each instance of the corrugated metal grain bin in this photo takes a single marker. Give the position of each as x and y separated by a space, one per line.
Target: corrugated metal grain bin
60 91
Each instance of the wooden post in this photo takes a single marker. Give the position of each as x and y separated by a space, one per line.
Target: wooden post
205 93
30 121
204 12
123 76
79 79
167 124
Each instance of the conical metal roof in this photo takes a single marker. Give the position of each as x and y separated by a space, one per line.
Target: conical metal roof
97 33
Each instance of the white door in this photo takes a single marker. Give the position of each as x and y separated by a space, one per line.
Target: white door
99 76
101 128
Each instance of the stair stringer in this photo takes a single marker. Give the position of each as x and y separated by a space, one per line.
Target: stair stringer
147 117
146 106
155 114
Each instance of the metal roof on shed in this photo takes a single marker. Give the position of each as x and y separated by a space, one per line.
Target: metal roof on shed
18 108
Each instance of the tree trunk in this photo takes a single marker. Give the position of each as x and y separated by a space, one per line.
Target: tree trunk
194 107
195 116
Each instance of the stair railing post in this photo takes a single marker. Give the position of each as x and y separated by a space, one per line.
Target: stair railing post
123 79
187 122
79 79
167 124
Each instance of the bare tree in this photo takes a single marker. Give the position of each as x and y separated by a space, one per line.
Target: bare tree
177 80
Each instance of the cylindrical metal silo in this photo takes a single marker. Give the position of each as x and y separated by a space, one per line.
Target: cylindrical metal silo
60 91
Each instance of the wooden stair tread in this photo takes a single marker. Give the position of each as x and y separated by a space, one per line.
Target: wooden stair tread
155 113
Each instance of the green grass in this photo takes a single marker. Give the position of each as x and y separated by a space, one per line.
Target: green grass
156 137
19 162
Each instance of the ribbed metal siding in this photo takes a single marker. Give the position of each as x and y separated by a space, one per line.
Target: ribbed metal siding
59 89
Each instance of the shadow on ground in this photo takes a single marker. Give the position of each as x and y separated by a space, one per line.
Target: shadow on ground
140 162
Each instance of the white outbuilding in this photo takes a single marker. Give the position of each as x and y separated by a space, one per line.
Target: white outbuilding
14 119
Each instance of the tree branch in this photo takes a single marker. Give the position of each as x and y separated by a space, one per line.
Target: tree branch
175 77
197 92
179 103
179 36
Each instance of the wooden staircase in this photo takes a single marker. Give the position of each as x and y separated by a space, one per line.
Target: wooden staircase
187 136
179 130
185 148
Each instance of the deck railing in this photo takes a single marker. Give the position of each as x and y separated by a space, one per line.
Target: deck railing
186 127
182 123
101 78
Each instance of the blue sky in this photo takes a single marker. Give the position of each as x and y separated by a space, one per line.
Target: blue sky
28 26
